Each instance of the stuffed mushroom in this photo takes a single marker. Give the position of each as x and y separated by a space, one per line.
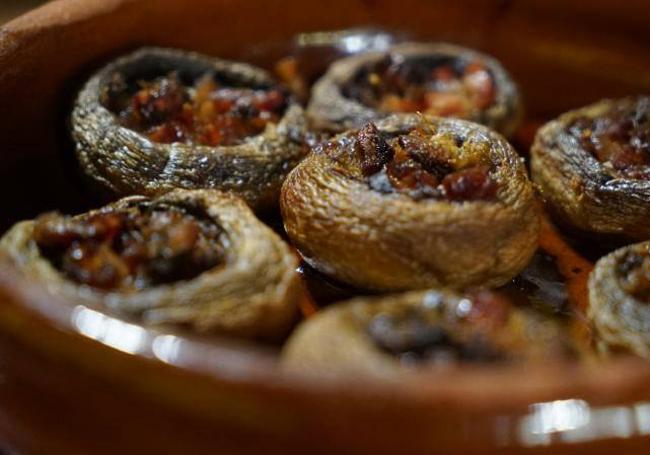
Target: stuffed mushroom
160 119
592 166
385 335
619 300
193 258
413 202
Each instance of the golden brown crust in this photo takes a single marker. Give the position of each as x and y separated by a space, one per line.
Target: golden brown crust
253 294
575 185
393 242
126 162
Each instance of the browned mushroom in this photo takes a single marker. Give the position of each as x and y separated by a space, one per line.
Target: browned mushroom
593 167
413 202
384 335
619 300
196 258
160 119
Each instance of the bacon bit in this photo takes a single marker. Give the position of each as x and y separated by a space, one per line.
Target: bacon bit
95 265
433 157
407 175
372 149
470 184
443 73
160 100
219 106
52 230
167 133
273 100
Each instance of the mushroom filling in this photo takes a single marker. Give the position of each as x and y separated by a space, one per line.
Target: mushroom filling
634 275
619 139
205 113
451 87
434 334
425 165
130 249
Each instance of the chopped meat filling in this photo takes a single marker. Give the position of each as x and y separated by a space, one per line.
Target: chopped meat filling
423 335
452 89
206 113
620 138
132 248
423 165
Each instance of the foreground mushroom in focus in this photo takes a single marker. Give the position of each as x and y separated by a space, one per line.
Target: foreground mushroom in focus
413 202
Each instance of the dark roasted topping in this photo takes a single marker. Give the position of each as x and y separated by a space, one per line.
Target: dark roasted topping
205 113
620 138
426 334
470 184
452 88
131 248
433 157
372 149
423 165
634 274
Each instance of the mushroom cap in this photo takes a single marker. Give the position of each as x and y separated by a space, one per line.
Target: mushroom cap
125 162
253 294
391 242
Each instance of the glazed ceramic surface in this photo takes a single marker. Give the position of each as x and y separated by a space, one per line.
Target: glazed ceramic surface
76 380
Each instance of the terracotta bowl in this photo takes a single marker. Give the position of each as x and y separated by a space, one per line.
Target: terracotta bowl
74 380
